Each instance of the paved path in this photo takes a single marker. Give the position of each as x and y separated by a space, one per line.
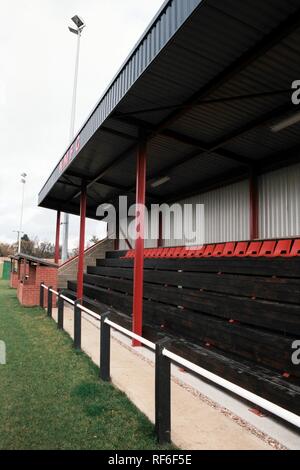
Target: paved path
196 423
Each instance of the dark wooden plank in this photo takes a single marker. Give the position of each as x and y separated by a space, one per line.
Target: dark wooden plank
264 382
281 267
276 316
269 349
268 288
257 379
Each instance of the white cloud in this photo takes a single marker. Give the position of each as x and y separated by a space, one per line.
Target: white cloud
37 64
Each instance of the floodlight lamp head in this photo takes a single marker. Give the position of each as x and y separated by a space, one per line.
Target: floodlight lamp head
74 31
78 21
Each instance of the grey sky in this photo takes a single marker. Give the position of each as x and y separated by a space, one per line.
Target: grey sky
37 55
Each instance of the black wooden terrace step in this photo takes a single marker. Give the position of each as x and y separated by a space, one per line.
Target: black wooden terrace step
281 267
271 350
275 316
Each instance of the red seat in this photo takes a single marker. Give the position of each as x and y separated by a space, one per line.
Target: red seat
178 252
229 249
129 254
283 248
295 251
151 252
146 252
209 249
219 249
268 248
171 252
193 251
165 253
240 249
200 251
254 249
159 252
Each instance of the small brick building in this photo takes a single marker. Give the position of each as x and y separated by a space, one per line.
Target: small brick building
27 273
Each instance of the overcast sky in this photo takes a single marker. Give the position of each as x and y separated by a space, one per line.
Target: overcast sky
37 55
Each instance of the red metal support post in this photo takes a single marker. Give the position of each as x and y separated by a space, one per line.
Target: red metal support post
81 242
254 218
57 237
138 283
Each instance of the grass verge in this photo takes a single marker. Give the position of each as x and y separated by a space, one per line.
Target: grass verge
50 395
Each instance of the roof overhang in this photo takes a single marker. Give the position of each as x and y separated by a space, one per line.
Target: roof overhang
205 85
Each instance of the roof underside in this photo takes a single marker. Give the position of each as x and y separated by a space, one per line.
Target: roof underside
205 84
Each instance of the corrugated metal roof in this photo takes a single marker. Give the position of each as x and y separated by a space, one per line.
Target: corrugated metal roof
208 50
170 18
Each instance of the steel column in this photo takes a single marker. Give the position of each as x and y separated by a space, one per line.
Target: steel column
162 393
57 237
104 348
77 325
254 218
139 243
81 242
49 302
60 312
41 295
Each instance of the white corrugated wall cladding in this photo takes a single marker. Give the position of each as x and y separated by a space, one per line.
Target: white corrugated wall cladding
226 215
279 203
227 211
149 243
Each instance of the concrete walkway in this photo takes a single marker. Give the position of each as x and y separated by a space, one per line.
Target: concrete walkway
197 422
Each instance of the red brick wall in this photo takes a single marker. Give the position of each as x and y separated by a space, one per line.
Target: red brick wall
13 280
28 290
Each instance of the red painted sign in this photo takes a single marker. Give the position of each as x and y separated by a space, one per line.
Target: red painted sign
68 157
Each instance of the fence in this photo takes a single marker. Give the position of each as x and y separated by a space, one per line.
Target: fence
163 360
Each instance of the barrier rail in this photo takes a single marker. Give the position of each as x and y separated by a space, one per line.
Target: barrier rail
163 360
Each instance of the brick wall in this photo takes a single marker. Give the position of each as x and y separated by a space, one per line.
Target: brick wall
13 280
28 289
68 271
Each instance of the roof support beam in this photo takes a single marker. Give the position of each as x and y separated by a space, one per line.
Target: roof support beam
225 179
262 47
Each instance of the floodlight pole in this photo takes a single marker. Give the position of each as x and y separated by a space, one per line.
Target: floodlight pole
65 221
23 181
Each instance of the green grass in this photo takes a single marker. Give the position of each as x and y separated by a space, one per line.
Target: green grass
50 395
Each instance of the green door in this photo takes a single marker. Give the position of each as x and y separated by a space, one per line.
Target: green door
6 270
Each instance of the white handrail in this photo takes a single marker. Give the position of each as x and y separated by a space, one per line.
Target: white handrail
265 404
89 312
54 291
126 332
70 301
45 287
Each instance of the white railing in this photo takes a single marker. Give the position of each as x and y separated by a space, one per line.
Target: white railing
274 409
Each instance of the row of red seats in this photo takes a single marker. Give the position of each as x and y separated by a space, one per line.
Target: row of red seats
270 248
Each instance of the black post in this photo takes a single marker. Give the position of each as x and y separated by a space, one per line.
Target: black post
77 325
41 295
104 348
162 393
50 295
60 312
